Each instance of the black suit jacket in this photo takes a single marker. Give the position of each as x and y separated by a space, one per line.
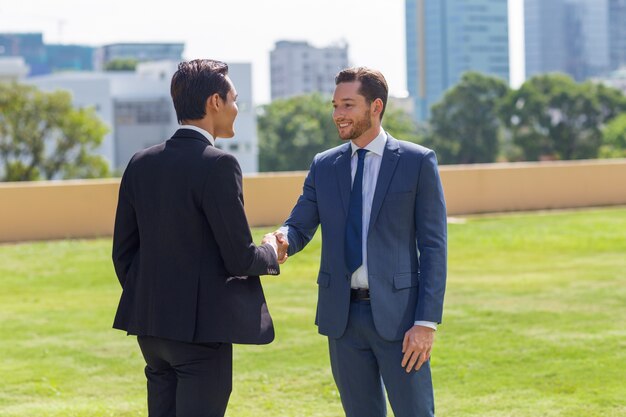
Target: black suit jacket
182 247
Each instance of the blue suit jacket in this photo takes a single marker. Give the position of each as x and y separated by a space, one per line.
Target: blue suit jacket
406 243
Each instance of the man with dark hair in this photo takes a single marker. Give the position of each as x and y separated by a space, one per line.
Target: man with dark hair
383 267
183 252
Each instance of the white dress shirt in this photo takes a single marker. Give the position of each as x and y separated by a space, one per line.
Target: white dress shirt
371 168
200 130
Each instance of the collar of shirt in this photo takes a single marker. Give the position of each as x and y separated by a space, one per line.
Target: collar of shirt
200 130
376 146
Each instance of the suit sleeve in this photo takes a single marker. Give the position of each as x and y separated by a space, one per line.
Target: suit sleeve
431 233
125 233
223 207
304 218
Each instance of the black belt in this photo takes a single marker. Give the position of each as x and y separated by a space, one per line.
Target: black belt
359 294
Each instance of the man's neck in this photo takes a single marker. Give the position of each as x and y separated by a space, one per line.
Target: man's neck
202 124
368 136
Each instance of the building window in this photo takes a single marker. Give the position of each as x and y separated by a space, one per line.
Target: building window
142 112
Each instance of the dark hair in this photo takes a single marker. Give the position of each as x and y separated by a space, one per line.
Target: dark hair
373 84
193 83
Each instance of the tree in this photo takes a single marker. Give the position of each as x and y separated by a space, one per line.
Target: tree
292 131
552 117
121 64
43 136
614 138
464 125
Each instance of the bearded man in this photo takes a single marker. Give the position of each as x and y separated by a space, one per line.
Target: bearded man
383 266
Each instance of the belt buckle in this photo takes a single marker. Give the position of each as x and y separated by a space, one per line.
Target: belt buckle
359 294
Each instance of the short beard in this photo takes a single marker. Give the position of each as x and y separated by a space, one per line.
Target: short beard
360 126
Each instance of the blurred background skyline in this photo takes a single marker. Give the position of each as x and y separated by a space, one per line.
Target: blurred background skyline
476 80
243 30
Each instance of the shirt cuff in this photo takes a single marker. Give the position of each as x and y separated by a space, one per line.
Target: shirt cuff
285 231
429 324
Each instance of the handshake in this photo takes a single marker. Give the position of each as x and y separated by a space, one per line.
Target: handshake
279 241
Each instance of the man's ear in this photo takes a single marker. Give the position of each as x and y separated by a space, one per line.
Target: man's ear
213 103
377 107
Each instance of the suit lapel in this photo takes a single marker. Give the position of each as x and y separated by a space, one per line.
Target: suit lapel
344 176
387 168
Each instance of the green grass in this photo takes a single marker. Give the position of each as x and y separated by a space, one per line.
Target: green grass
534 325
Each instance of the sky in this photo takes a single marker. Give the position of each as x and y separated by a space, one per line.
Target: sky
241 30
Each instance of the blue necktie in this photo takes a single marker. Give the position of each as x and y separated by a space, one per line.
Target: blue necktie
354 221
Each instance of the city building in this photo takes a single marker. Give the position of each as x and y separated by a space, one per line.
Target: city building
43 58
62 57
582 38
12 69
300 68
617 33
446 38
137 108
140 52
29 46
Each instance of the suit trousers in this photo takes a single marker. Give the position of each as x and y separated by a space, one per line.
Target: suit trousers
187 379
364 366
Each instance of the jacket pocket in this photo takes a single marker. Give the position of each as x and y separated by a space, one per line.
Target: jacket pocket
405 280
323 279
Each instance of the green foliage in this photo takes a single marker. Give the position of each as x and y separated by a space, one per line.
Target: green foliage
43 137
533 326
399 124
121 64
465 127
614 133
292 131
552 117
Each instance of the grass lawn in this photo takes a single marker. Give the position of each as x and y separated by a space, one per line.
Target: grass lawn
534 325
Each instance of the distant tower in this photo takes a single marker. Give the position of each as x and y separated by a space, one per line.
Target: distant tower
299 68
576 37
446 38
617 33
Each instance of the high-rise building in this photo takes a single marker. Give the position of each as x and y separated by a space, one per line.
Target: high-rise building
446 38
617 33
141 52
299 68
582 38
544 36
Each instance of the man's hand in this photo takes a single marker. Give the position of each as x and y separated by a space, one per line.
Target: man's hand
417 344
283 245
271 239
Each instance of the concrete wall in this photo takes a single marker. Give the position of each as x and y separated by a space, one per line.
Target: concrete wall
52 210
489 188
57 209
